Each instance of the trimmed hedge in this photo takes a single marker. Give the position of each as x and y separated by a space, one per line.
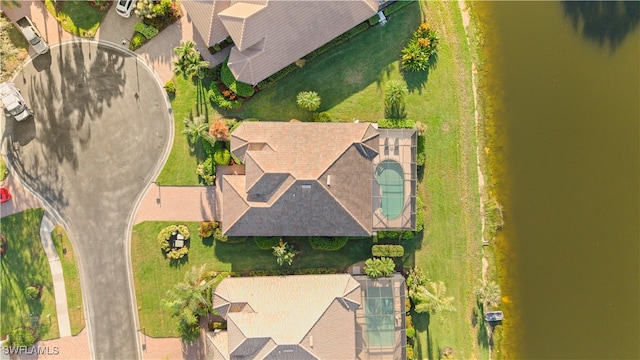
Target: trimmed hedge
216 97
396 234
147 31
240 88
421 157
266 242
396 6
420 213
396 124
221 155
328 243
280 272
387 250
236 239
374 20
137 40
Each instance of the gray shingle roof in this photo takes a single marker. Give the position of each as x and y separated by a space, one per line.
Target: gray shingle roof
311 179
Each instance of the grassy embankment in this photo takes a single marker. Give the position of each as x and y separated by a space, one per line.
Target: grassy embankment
350 79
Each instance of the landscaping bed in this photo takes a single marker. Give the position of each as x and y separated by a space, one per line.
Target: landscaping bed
80 18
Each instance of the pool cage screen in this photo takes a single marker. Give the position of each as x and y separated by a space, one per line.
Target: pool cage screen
394 181
380 321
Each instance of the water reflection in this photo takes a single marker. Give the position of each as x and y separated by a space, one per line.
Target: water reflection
603 21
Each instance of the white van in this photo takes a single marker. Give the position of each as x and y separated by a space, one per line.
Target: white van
13 102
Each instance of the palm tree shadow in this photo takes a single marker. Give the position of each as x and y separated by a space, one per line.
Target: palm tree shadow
603 22
421 323
417 80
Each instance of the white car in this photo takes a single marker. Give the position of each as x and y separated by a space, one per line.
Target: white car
13 102
124 8
32 35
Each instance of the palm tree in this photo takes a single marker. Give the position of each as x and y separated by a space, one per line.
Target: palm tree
197 129
191 299
488 294
308 100
432 298
189 62
394 92
375 267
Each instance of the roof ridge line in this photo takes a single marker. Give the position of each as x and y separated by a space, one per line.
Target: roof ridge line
342 206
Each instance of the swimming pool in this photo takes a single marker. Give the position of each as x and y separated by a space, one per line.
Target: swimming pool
389 175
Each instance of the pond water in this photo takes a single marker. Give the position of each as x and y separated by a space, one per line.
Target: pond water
568 106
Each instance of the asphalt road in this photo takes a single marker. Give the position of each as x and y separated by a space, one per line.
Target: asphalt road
100 128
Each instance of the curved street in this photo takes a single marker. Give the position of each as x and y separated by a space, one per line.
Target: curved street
101 128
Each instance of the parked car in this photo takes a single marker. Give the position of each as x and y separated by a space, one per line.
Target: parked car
32 35
5 195
13 102
124 8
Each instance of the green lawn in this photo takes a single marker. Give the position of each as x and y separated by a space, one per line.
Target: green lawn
190 101
71 278
154 275
350 78
77 17
26 264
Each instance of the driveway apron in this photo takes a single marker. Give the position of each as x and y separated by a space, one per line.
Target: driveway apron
101 126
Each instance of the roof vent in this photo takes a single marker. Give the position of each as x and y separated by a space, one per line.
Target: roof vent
328 180
311 340
306 186
287 350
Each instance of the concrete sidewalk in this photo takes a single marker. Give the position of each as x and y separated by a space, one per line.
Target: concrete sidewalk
62 310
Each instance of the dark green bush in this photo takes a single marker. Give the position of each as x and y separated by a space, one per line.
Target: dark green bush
22 337
396 235
236 239
396 124
216 97
146 30
328 243
396 6
387 250
221 155
266 242
421 157
240 88
136 41
420 214
321 117
374 19
277 76
307 271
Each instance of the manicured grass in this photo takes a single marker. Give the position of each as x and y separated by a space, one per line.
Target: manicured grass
154 275
77 17
26 264
15 48
190 101
71 278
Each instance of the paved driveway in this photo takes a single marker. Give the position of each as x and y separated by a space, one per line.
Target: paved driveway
100 128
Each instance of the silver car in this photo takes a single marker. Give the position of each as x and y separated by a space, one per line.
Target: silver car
13 102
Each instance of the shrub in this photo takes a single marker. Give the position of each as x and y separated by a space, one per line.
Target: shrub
422 50
321 117
374 20
421 157
32 292
284 253
216 97
338 40
280 272
387 250
170 87
240 88
420 214
165 235
411 333
277 76
409 349
266 242
308 100
221 155
394 92
219 130
328 243
219 236
206 229
236 239
396 124
22 337
136 41
396 235
146 30
378 267
395 7
144 9
207 171
4 170
407 307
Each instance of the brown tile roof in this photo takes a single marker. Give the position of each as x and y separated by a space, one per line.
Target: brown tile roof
204 16
274 34
311 179
291 317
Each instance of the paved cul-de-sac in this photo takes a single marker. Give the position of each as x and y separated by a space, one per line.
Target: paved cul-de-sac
101 127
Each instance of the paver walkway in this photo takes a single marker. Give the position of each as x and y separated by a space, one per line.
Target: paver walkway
62 310
185 203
